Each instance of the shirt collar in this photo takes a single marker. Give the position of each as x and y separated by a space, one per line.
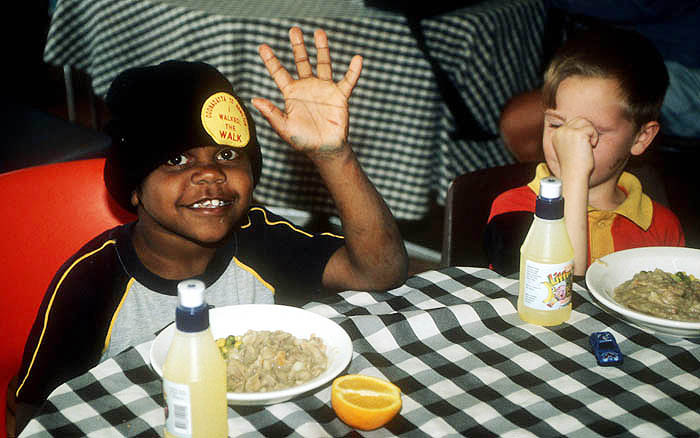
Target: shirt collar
636 207
136 269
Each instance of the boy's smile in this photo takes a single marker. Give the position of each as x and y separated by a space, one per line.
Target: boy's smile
198 195
216 206
211 204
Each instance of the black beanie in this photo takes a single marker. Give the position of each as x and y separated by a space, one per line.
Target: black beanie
158 111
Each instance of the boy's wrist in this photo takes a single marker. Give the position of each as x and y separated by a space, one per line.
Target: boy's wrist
331 156
575 173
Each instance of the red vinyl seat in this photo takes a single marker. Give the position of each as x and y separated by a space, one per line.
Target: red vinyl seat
48 212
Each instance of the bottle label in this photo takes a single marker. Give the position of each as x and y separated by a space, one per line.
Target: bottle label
548 286
178 412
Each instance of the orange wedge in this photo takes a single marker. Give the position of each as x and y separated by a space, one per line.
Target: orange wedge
365 402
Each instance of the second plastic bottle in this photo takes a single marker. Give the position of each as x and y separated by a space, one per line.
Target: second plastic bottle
546 261
194 373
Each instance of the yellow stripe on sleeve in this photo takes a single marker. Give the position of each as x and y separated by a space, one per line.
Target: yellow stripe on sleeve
269 222
116 313
48 310
283 222
332 235
255 274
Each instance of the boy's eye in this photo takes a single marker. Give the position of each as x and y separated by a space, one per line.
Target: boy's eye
178 160
227 154
552 122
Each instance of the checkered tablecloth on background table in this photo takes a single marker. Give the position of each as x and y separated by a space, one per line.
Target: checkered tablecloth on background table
400 127
465 362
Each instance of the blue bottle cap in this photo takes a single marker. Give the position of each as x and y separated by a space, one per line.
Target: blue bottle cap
550 203
192 313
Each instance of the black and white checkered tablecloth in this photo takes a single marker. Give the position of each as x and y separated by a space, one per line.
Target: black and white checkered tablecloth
400 127
465 362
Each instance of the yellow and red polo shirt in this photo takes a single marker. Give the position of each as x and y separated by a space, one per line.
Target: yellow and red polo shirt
637 222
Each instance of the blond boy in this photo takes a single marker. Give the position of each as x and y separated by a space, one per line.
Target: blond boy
602 97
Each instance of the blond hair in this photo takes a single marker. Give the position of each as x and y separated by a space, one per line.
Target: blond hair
613 53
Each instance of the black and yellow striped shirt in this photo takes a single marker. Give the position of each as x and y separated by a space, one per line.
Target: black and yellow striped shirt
103 299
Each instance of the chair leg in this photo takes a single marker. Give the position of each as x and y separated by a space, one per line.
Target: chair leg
94 122
70 92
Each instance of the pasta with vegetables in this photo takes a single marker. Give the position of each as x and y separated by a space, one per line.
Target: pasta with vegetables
663 294
263 361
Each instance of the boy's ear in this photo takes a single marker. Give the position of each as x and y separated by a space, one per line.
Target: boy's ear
135 198
644 137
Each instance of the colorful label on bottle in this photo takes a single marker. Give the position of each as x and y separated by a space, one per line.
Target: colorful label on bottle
548 286
178 409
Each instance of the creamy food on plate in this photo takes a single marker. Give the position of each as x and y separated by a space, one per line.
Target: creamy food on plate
662 294
263 361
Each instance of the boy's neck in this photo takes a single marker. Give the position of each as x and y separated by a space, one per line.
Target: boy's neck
606 196
171 257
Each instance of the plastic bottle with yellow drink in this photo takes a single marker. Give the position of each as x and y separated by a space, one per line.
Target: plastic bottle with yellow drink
194 372
546 261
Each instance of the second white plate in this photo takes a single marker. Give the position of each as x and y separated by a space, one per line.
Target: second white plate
603 276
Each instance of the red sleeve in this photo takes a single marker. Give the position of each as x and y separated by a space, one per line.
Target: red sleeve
665 230
667 227
517 199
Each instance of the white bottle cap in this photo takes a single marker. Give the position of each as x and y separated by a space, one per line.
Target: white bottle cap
550 188
191 293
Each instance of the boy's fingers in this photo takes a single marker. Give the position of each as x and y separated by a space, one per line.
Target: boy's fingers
323 56
277 71
301 57
275 117
351 77
587 127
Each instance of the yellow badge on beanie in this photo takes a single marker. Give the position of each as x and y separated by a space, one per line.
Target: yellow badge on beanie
225 121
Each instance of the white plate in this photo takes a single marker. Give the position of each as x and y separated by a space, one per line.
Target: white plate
236 320
603 276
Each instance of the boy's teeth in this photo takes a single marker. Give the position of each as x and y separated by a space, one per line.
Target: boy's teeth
209 203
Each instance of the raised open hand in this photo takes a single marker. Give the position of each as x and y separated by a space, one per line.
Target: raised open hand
315 117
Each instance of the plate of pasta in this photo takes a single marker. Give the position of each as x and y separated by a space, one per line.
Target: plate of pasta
654 288
273 352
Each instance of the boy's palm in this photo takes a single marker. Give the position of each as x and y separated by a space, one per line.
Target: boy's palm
316 115
315 118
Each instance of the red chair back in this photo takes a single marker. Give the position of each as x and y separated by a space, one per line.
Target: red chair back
48 212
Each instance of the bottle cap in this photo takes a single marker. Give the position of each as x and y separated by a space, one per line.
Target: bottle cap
550 203
550 188
191 293
192 313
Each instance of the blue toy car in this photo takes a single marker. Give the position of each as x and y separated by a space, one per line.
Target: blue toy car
605 349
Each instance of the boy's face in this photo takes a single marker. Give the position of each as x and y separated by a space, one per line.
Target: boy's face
598 101
198 195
